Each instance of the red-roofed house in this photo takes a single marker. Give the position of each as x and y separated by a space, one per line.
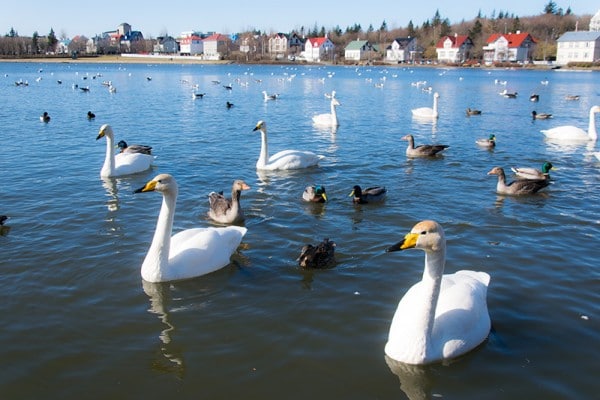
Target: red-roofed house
191 45
317 49
216 46
454 49
513 47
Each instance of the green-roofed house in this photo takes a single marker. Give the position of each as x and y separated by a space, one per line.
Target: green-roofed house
360 50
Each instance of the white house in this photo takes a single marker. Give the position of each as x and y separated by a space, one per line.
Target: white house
511 47
595 22
358 50
191 45
403 50
215 46
316 49
278 45
454 49
581 46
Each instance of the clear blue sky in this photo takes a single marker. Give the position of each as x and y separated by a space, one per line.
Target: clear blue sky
153 19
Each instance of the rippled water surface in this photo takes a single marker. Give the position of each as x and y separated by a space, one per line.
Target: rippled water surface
78 322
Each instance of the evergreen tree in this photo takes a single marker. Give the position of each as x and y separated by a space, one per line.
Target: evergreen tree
35 45
550 8
52 40
411 29
383 27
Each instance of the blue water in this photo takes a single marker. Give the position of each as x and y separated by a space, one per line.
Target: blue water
78 322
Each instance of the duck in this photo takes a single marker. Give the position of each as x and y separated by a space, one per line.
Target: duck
122 163
443 316
189 253
134 148
45 117
533 173
268 97
573 133
229 105
224 210
427 112
198 95
368 195
320 256
3 219
490 142
518 187
509 95
328 119
473 112
4 229
315 194
424 150
90 115
283 160
572 97
534 97
536 115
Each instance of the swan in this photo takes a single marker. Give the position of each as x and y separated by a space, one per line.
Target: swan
189 253
368 195
284 160
573 133
442 316
518 187
224 210
328 119
315 194
45 117
134 148
318 257
426 112
532 173
424 150
122 163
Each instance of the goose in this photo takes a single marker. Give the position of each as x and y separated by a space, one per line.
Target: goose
134 148
283 160
189 253
315 194
45 117
533 173
490 142
473 112
224 210
443 316
328 119
90 115
426 112
536 115
318 257
424 150
122 163
573 133
518 187
368 195
268 97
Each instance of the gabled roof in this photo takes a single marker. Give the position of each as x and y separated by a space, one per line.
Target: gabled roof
216 37
457 40
317 42
356 44
579 36
513 39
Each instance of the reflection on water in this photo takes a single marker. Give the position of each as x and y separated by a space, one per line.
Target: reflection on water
110 184
415 381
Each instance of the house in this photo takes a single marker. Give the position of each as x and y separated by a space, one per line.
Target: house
580 46
191 44
595 22
216 46
358 50
509 47
124 39
454 49
403 50
166 44
62 47
278 45
295 44
317 49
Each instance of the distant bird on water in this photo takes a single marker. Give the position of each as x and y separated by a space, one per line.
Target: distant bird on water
368 195
423 150
45 117
91 115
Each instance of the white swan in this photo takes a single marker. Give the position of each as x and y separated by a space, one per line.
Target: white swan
442 316
189 253
427 112
285 159
328 119
573 133
122 163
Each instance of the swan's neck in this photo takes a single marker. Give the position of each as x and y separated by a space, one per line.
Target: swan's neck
333 114
431 283
157 259
108 169
435 106
592 127
263 158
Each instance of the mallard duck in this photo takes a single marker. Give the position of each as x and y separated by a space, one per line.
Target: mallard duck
368 195
122 163
90 115
328 119
473 112
315 194
224 210
532 173
490 142
424 150
518 187
134 148
573 133
428 112
442 316
536 115
283 160
318 257
189 253
45 117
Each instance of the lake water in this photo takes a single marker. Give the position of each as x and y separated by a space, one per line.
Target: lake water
78 322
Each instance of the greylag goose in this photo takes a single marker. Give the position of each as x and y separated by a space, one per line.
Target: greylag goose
368 195
533 173
315 194
318 257
518 187
424 150
224 210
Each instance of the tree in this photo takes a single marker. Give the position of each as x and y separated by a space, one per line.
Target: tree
12 33
52 41
383 27
411 29
35 43
550 8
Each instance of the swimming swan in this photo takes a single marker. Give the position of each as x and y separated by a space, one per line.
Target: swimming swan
328 119
189 253
122 163
427 112
442 316
286 159
573 133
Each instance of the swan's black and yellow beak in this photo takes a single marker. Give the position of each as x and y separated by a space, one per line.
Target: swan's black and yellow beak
148 187
409 242
100 134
